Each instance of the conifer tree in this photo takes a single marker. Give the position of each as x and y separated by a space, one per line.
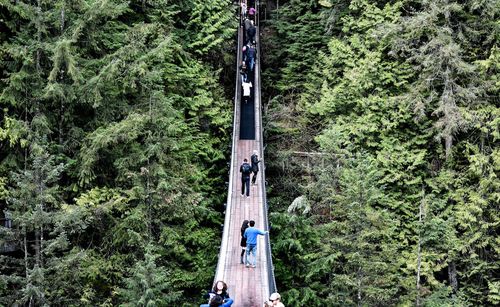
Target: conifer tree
149 285
33 203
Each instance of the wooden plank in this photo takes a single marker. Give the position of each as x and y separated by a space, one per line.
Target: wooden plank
245 284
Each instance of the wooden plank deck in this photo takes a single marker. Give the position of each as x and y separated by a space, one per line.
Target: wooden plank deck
248 286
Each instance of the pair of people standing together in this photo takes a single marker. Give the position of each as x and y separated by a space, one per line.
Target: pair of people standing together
246 170
249 243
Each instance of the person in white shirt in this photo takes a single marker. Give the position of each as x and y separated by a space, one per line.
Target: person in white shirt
246 90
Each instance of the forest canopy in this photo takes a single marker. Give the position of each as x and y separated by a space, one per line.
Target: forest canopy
383 134
113 142
381 128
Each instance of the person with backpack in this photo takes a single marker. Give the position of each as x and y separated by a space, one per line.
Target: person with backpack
245 170
251 234
255 165
243 242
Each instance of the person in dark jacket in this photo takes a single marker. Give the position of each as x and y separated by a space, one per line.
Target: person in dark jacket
243 242
218 296
251 54
251 33
220 288
255 165
248 24
245 170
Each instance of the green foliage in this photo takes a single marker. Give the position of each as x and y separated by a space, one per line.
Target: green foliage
125 95
392 144
148 285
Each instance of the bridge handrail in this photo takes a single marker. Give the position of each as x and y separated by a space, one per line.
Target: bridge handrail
270 266
227 219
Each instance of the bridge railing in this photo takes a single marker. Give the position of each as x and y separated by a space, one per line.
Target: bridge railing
265 208
219 272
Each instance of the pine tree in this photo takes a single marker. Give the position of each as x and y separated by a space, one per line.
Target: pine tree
33 204
149 285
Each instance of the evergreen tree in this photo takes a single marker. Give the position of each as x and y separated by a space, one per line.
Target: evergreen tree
397 82
138 118
33 204
148 285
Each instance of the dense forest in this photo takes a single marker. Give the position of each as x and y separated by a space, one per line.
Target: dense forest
113 142
382 124
382 132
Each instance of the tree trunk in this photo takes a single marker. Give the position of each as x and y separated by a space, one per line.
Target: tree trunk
37 246
38 34
61 122
452 276
358 277
25 252
62 19
419 247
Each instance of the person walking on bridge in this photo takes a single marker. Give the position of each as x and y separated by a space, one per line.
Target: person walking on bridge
245 170
248 24
246 91
243 72
251 33
244 9
255 165
251 13
251 54
251 234
243 242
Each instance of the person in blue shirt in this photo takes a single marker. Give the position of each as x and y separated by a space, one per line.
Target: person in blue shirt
251 234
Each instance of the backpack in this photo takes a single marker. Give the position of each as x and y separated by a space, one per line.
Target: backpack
246 168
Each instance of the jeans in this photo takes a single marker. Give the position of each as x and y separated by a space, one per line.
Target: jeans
251 250
245 182
251 63
254 177
227 302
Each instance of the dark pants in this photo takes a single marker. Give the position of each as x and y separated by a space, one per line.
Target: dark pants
245 182
254 177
